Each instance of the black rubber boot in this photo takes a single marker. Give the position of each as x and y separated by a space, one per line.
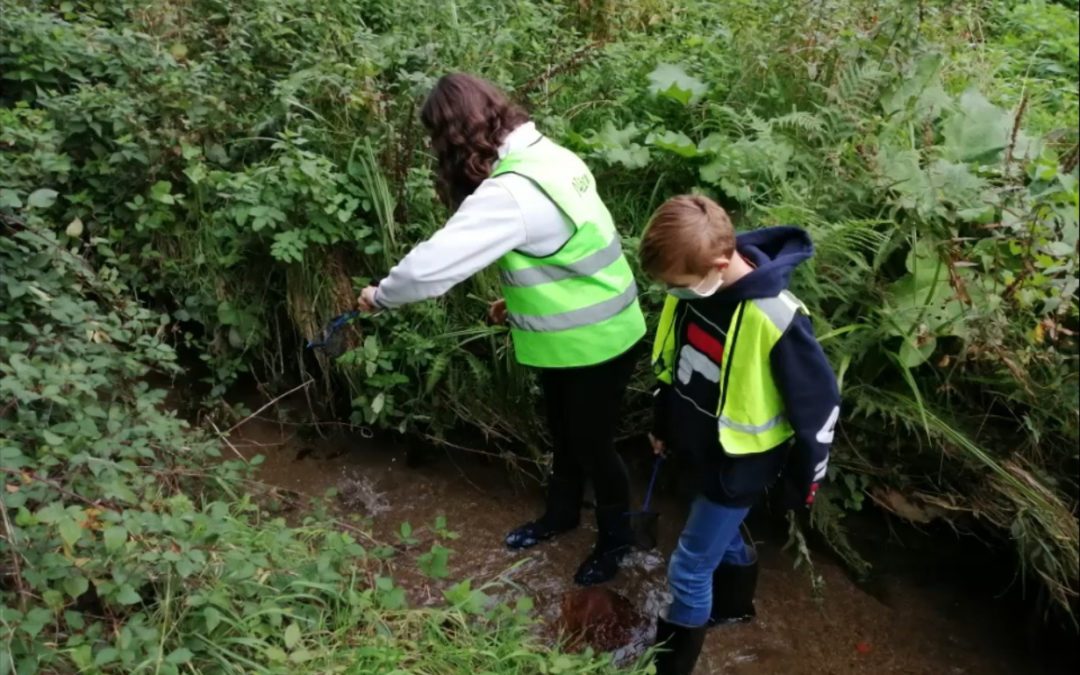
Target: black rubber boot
614 540
733 594
679 648
562 514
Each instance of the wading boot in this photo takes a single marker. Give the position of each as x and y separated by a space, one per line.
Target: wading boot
614 540
733 593
679 648
562 514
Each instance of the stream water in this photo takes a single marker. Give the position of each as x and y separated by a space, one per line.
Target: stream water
910 624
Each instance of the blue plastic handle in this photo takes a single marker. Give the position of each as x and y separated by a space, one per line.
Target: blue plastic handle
335 324
652 482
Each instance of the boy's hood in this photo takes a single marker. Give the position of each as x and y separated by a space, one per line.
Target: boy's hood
774 252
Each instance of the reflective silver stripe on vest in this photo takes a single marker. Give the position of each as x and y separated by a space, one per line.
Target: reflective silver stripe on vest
781 309
575 318
544 274
728 423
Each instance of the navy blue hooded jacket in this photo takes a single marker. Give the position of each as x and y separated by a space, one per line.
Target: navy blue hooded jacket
686 410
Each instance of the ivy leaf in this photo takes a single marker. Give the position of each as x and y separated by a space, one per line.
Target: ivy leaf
673 82
42 198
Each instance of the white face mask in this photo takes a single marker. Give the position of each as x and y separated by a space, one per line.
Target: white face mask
705 288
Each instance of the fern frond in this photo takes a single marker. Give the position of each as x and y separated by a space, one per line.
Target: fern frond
798 121
857 85
438 370
727 120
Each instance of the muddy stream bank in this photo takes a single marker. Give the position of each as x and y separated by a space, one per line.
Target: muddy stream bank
913 622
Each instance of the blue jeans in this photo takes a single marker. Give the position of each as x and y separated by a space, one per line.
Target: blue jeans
711 537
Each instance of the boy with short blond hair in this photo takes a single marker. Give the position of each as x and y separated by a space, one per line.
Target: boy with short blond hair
745 393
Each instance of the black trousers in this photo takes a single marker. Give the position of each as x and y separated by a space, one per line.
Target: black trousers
583 406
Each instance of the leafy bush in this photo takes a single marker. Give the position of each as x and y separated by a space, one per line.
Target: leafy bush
945 284
129 543
245 166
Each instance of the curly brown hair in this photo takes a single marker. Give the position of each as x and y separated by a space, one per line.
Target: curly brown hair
468 118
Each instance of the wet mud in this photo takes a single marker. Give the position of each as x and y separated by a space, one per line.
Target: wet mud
908 624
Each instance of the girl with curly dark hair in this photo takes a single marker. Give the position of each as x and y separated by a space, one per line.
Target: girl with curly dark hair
569 297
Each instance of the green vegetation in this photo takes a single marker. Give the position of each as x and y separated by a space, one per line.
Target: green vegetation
131 545
220 176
